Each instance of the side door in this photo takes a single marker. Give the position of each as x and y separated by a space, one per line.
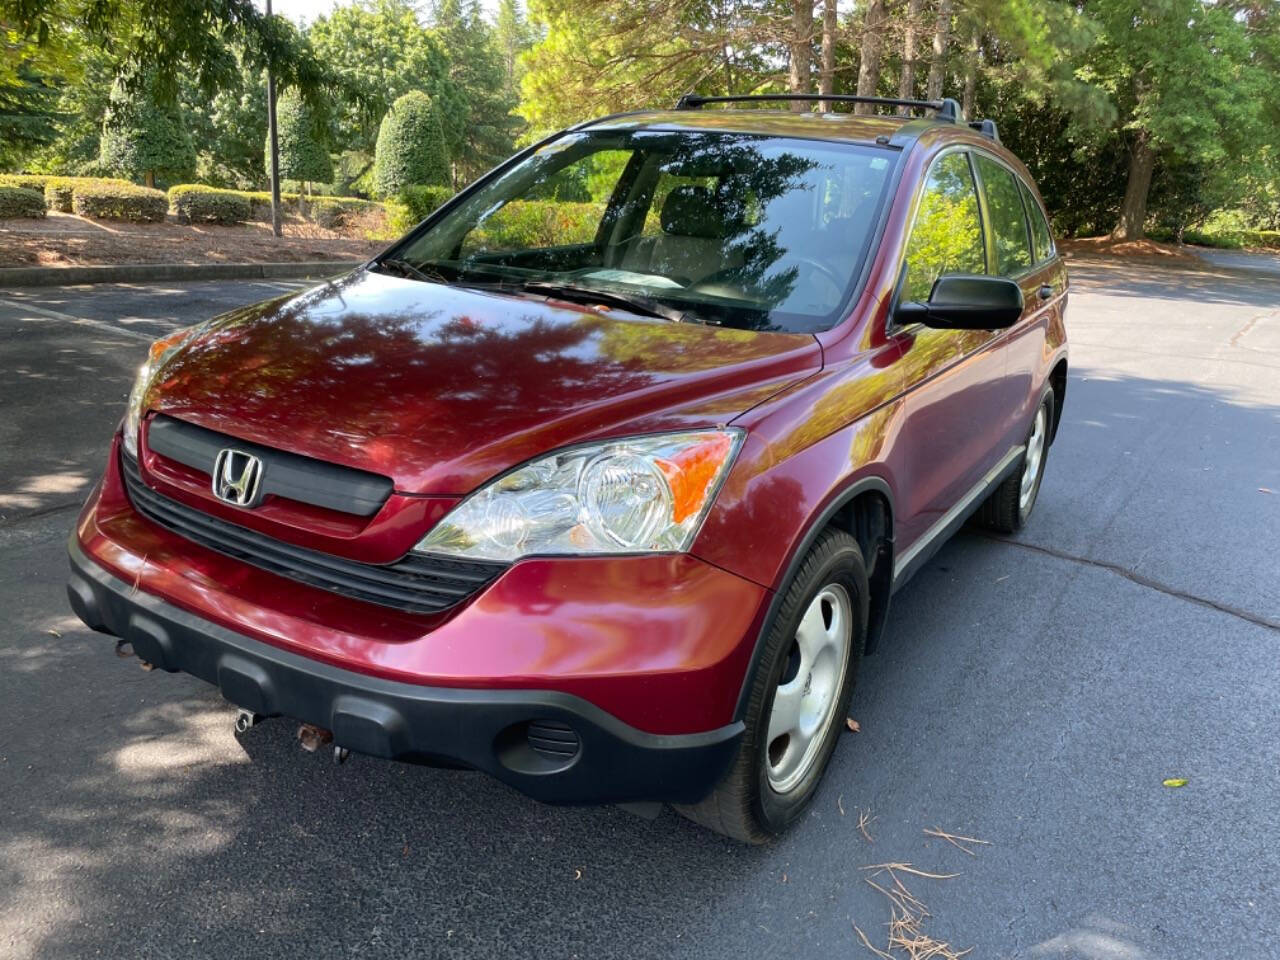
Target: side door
1012 255
953 379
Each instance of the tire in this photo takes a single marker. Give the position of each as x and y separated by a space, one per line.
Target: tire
1009 506
769 784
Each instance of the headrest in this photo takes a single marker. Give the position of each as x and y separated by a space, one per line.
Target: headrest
691 211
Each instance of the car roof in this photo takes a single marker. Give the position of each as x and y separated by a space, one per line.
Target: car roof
771 122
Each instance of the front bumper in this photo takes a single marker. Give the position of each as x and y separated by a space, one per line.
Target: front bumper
485 729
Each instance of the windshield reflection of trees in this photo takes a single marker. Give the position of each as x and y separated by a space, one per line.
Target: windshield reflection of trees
747 181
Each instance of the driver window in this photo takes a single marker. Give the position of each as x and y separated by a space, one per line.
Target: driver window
947 234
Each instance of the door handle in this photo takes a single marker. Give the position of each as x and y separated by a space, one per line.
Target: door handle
1045 292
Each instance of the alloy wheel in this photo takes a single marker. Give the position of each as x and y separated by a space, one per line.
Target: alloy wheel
1033 460
805 701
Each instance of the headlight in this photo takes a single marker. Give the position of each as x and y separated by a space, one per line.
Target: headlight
159 352
638 495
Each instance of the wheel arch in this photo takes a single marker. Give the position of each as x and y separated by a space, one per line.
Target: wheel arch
1058 380
865 510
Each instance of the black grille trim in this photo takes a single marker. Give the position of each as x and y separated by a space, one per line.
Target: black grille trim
416 583
284 474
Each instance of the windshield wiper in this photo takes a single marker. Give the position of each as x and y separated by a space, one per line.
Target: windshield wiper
405 267
637 303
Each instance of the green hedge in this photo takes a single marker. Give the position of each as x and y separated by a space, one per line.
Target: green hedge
196 203
110 201
20 202
58 191
1222 239
538 223
24 181
412 205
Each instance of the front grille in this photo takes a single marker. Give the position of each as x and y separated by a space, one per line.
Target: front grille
283 474
416 584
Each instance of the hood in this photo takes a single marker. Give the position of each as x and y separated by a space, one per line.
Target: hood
440 388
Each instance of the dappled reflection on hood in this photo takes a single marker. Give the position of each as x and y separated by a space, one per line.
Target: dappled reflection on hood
406 378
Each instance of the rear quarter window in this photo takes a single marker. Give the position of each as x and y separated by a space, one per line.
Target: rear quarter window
1008 218
1040 236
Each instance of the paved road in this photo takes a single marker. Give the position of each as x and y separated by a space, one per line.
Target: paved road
1033 694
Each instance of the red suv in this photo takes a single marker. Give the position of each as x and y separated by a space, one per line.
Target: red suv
601 479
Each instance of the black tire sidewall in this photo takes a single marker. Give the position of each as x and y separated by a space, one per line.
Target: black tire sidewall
774 811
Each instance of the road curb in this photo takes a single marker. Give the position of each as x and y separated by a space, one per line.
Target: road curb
149 272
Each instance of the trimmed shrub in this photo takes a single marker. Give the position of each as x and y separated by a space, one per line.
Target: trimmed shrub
411 148
302 156
195 203
143 140
20 202
113 201
58 190
414 204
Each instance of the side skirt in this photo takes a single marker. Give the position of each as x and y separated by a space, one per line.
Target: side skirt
909 562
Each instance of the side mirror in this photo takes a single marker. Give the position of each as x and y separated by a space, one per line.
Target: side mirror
966 302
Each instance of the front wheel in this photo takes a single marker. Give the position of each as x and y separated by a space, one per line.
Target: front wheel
799 696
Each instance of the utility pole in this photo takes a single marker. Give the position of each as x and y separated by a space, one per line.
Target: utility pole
275 148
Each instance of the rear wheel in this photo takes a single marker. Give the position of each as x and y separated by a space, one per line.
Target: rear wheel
1009 506
799 697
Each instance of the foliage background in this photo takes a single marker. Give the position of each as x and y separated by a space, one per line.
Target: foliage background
1155 116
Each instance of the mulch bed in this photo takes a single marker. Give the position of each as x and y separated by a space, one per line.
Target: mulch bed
62 240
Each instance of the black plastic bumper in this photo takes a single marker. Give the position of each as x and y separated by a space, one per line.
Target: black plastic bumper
486 729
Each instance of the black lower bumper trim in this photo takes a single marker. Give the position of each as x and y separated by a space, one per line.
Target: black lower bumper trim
485 729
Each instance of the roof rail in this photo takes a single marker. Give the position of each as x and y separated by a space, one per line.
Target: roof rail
987 128
948 109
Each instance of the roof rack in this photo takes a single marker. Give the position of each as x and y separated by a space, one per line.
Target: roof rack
948 109
987 128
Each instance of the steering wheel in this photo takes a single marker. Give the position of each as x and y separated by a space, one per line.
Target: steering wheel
825 275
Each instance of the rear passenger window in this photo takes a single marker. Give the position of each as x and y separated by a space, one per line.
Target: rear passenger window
947 234
1039 226
1008 219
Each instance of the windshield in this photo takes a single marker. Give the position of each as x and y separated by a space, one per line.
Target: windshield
755 232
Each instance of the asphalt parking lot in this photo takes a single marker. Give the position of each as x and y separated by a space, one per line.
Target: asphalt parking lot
1033 694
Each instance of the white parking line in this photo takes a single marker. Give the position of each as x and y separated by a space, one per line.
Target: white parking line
26 308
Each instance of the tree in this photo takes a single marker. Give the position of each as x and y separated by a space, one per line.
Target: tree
827 76
476 68
873 29
303 154
380 50
142 138
177 39
910 31
513 35
800 44
411 148
941 37
1191 81
232 129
